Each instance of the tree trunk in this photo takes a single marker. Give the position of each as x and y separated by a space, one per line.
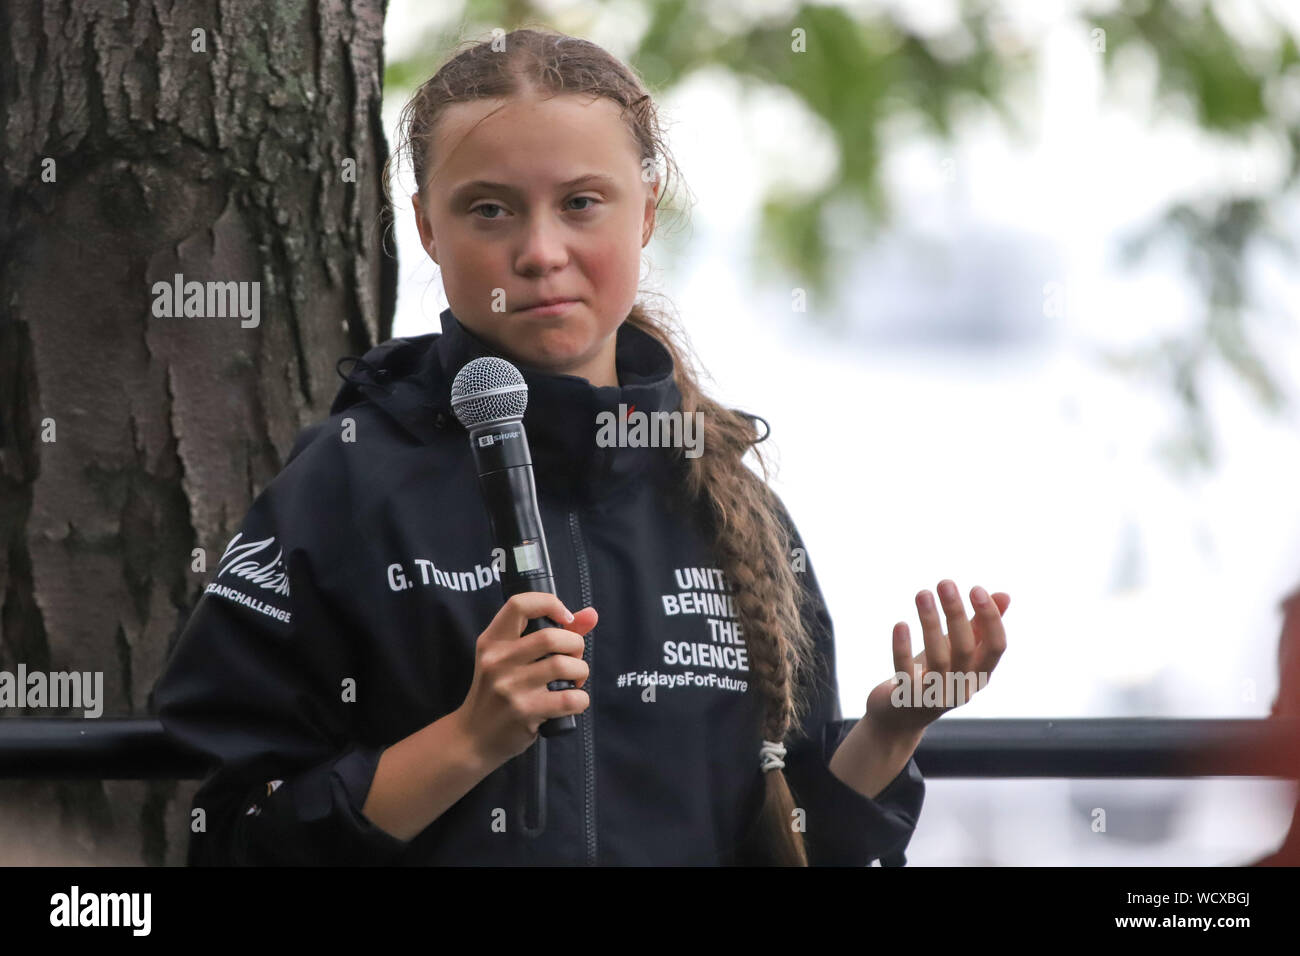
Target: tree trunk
141 141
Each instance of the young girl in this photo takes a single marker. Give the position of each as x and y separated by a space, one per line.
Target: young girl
352 665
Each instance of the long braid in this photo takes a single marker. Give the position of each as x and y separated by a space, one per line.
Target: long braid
753 547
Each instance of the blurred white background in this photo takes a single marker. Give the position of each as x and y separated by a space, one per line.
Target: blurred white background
992 447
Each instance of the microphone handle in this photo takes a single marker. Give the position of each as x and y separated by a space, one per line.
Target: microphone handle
505 470
555 725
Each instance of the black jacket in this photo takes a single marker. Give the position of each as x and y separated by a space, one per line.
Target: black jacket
343 617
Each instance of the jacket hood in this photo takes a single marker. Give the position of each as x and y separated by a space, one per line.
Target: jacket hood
410 380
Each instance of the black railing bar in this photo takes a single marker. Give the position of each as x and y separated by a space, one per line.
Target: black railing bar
1121 747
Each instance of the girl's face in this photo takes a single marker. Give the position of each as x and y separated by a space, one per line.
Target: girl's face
542 200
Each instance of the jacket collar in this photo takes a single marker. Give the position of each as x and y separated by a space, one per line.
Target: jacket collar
411 380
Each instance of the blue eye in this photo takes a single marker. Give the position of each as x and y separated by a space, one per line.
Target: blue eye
491 205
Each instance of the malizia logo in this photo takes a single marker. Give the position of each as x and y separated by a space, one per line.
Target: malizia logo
253 561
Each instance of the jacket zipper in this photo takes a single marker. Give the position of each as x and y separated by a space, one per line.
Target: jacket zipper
589 754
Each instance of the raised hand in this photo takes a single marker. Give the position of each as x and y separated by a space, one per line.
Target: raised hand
951 668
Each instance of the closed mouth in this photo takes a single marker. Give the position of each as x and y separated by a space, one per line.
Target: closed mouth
544 302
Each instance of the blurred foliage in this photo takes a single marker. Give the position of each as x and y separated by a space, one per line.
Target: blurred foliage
860 71
856 74
1199 63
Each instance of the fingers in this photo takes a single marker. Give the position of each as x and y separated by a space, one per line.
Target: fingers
583 621
936 645
903 661
550 704
508 625
519 609
970 643
992 633
555 667
961 639
547 703
544 641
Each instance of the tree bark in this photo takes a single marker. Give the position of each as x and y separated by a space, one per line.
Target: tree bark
211 140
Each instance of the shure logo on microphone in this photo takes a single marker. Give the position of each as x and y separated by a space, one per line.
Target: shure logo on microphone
495 437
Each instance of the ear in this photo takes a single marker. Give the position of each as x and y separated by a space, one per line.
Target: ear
427 240
648 222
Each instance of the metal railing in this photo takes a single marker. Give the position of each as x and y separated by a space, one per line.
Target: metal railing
1117 747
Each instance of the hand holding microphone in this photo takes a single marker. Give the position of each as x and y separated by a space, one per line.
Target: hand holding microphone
512 693
489 397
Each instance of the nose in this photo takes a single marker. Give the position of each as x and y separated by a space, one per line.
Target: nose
544 247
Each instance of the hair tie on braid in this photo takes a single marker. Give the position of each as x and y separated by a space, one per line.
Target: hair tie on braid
771 753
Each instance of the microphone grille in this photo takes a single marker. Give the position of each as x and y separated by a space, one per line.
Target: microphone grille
486 390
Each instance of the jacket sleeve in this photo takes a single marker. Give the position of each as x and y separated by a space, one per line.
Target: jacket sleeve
256 682
842 826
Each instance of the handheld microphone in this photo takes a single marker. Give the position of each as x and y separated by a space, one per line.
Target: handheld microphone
488 397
